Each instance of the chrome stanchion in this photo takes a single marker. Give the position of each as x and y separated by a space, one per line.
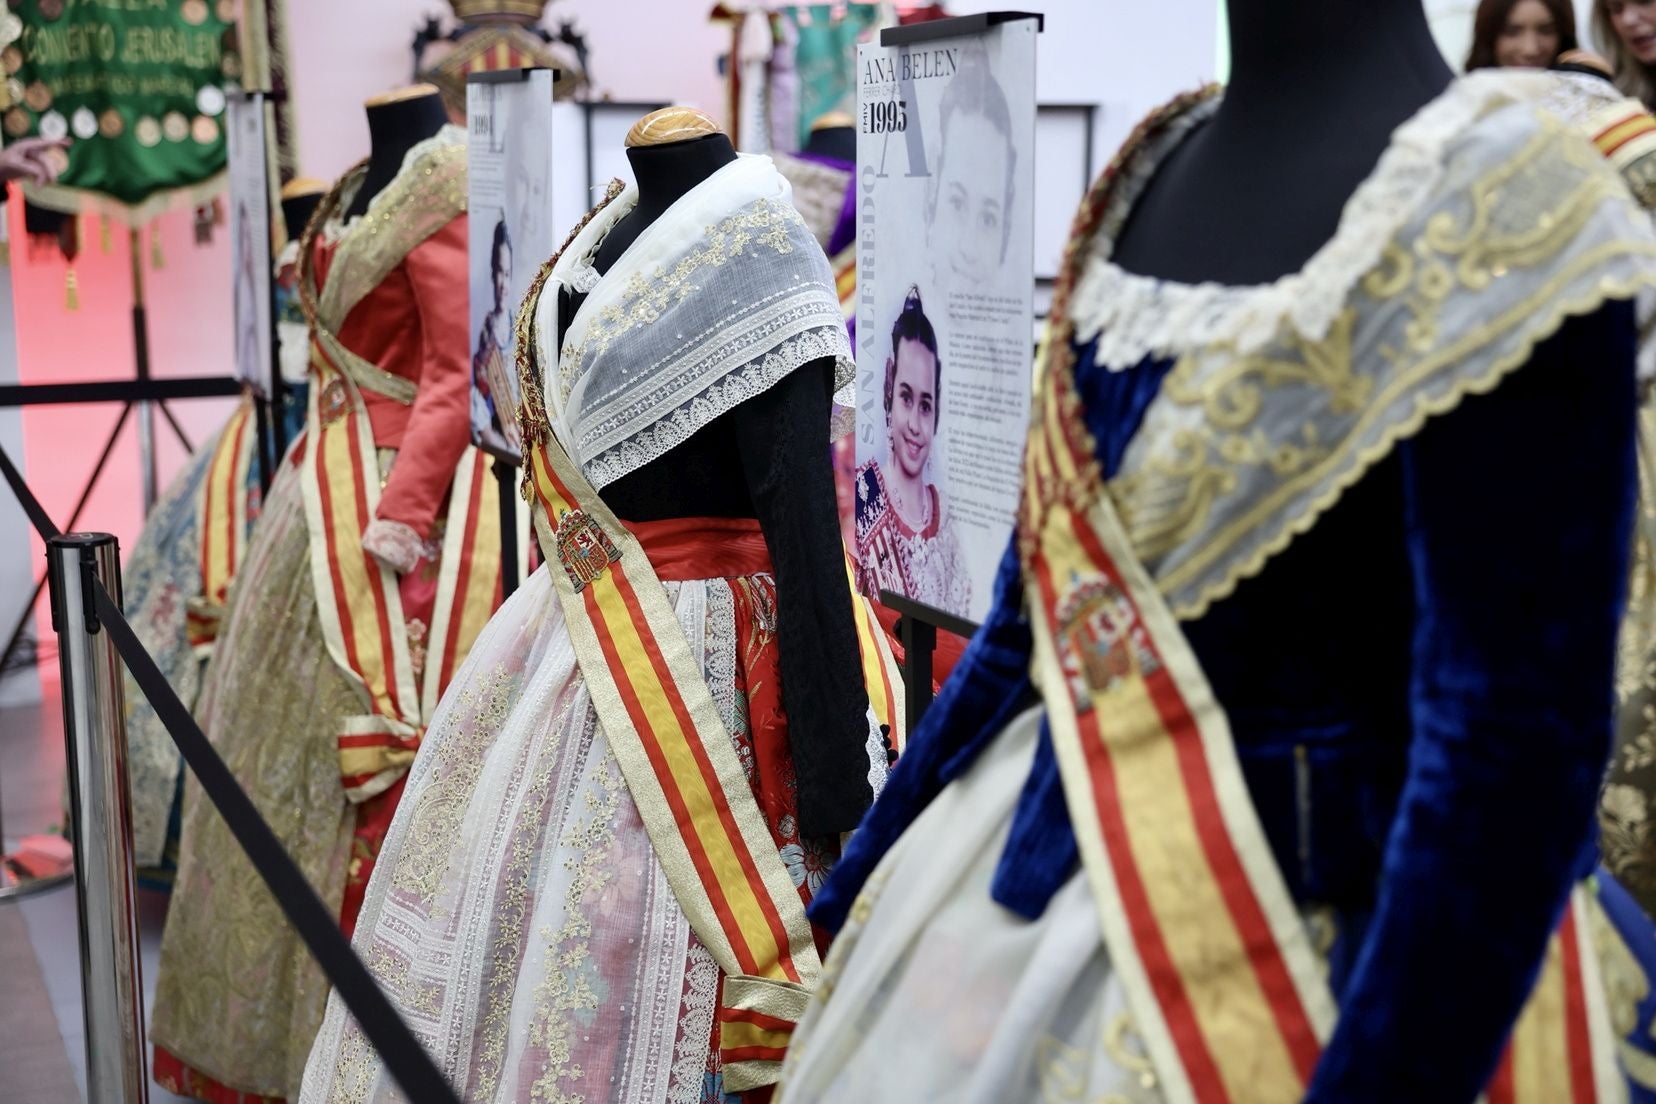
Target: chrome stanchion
100 809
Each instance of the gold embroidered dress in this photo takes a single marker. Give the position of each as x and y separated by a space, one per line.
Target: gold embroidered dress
330 660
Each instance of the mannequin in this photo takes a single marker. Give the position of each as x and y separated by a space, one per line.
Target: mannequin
752 461
714 321
299 201
397 121
667 162
833 135
1251 195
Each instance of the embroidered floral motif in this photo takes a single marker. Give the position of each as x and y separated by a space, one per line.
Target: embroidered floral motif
572 984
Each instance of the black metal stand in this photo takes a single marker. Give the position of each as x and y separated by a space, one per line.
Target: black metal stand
130 394
505 473
917 632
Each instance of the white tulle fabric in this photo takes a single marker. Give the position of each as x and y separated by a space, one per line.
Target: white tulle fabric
1135 316
716 301
519 920
949 996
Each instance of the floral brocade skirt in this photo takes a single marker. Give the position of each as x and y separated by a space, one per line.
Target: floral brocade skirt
238 997
519 918
161 575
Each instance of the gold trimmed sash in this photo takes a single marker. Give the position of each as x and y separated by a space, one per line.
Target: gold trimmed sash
223 526
681 768
1224 983
358 600
664 728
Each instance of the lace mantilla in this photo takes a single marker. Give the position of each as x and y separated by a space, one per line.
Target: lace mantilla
1135 316
716 301
723 395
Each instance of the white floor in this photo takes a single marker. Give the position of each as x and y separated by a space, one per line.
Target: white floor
31 780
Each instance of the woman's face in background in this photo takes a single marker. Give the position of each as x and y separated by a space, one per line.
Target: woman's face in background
1529 40
1635 24
913 407
968 226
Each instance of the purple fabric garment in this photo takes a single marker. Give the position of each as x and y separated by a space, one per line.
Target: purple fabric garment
845 231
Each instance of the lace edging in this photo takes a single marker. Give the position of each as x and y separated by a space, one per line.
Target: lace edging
729 391
1425 408
1135 316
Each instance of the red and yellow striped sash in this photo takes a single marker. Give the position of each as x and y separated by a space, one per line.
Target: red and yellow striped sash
223 525
681 766
358 599
1560 1049
1222 978
1625 133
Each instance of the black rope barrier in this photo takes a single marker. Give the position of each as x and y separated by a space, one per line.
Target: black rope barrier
38 517
403 1055
408 1062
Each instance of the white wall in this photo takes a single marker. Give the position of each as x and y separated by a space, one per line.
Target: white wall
1127 56
347 50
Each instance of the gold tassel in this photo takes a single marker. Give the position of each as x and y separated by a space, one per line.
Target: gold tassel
157 261
71 291
105 242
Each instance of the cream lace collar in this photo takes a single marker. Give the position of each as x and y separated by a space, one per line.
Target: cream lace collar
1135 316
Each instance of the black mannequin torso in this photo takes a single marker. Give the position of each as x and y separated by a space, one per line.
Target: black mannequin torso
1250 195
664 174
394 128
296 213
838 142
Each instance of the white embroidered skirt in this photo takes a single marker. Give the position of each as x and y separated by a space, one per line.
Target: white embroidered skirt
934 992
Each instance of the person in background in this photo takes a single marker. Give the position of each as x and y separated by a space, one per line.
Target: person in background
1625 30
34 160
1521 34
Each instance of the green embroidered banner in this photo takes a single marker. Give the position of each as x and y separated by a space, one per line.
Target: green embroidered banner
136 85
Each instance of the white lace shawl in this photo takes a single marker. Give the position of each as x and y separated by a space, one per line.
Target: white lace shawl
716 301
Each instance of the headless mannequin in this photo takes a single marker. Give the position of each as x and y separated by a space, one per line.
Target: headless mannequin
1250 195
297 211
397 122
664 175
766 459
838 142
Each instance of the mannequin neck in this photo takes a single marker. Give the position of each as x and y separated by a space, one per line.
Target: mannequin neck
840 143
1317 88
296 213
394 129
1304 57
664 175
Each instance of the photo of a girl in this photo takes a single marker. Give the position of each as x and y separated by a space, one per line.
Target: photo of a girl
494 396
905 541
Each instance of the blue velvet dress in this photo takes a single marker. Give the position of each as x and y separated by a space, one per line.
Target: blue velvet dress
1420 693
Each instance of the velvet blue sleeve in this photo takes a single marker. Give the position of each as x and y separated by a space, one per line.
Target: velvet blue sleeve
1518 514
989 686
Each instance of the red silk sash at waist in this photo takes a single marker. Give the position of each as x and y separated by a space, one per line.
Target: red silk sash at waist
683 549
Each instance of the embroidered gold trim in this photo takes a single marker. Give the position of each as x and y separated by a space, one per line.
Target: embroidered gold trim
1203 441
533 421
428 194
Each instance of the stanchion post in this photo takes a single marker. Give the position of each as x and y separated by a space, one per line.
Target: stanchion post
100 810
